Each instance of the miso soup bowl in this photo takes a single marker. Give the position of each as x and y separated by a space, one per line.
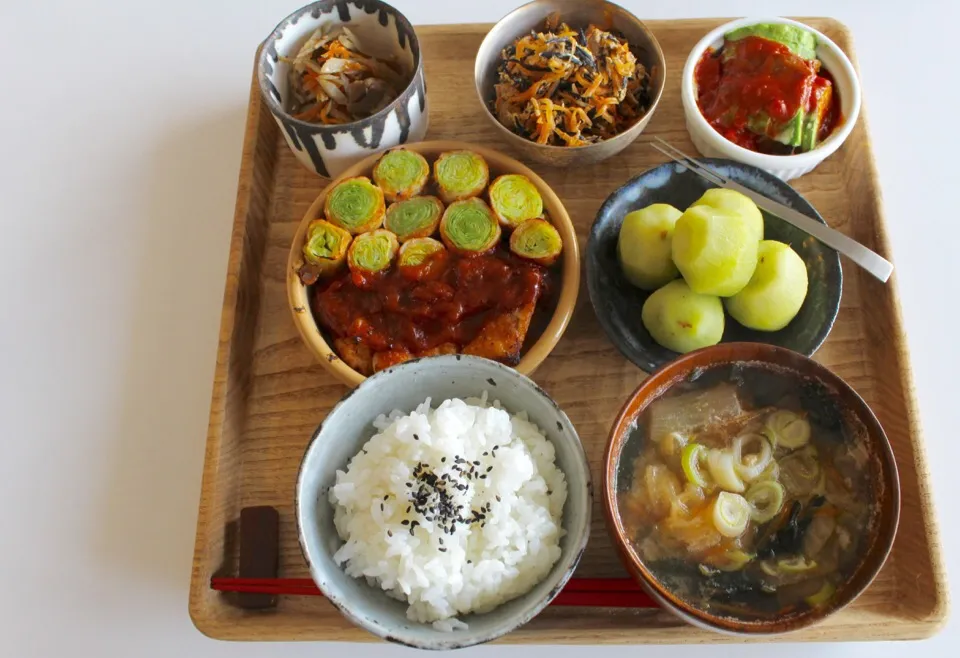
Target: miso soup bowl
832 395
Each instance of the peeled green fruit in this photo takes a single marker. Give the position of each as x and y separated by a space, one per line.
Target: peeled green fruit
682 320
715 250
644 246
776 290
734 201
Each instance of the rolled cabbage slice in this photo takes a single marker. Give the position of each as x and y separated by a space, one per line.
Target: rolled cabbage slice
414 254
514 199
372 252
355 204
538 241
469 228
460 175
418 217
401 174
325 247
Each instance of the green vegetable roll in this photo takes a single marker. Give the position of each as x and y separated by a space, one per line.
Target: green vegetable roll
401 174
469 228
356 205
414 253
325 247
460 175
537 240
515 199
372 252
414 218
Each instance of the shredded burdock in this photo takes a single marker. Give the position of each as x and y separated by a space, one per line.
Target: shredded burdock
570 88
333 80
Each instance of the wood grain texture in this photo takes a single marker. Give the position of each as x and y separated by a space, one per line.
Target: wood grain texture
269 394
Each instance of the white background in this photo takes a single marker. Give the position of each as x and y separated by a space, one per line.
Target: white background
121 137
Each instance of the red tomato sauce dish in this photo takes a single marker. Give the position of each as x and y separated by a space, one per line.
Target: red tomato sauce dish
765 90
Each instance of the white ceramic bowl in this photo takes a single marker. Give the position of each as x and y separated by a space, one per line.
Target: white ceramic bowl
349 425
711 144
383 31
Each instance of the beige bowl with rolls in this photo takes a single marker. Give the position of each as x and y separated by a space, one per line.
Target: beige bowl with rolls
541 338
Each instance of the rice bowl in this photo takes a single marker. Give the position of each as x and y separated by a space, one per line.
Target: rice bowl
453 510
348 428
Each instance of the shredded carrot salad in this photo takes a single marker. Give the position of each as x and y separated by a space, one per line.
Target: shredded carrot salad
570 88
333 81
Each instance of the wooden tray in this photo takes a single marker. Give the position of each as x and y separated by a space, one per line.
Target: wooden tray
269 393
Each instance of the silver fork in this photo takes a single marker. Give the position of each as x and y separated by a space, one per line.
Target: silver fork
871 261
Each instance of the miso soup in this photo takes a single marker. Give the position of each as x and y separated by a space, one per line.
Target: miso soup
750 494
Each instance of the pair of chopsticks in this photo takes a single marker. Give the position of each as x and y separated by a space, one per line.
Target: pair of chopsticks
589 592
872 262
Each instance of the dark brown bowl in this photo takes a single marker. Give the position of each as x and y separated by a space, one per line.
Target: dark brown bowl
831 395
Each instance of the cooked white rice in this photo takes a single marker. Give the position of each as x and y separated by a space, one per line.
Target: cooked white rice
466 543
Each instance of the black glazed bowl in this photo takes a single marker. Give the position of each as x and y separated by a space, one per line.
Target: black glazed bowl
618 304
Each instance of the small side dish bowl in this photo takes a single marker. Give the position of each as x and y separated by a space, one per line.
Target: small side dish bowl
532 16
710 143
836 412
349 425
618 304
384 32
542 336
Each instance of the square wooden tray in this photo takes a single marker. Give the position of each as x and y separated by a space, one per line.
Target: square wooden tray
269 393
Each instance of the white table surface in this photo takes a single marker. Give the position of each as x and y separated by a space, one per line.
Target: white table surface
122 128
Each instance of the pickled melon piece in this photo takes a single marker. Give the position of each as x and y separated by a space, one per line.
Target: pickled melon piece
734 201
644 246
715 250
776 290
682 320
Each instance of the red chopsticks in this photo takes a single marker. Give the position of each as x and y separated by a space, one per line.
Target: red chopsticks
590 592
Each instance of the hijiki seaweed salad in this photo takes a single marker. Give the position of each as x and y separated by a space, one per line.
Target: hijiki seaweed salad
333 80
566 87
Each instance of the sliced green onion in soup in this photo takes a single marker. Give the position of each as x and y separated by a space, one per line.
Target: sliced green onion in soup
723 471
734 560
787 430
372 252
691 458
537 240
401 174
731 514
418 217
752 453
765 499
824 594
355 204
515 199
460 175
469 228
325 246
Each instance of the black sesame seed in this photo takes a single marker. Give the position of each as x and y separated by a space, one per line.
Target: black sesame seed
443 460
483 477
409 484
405 522
485 454
489 468
416 437
498 499
442 549
476 463
389 533
386 497
381 507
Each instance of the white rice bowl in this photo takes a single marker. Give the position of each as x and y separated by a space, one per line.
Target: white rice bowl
477 540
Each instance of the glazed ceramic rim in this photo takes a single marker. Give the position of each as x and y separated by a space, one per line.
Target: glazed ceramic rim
302 13
529 612
627 135
595 293
808 160
298 297
656 385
